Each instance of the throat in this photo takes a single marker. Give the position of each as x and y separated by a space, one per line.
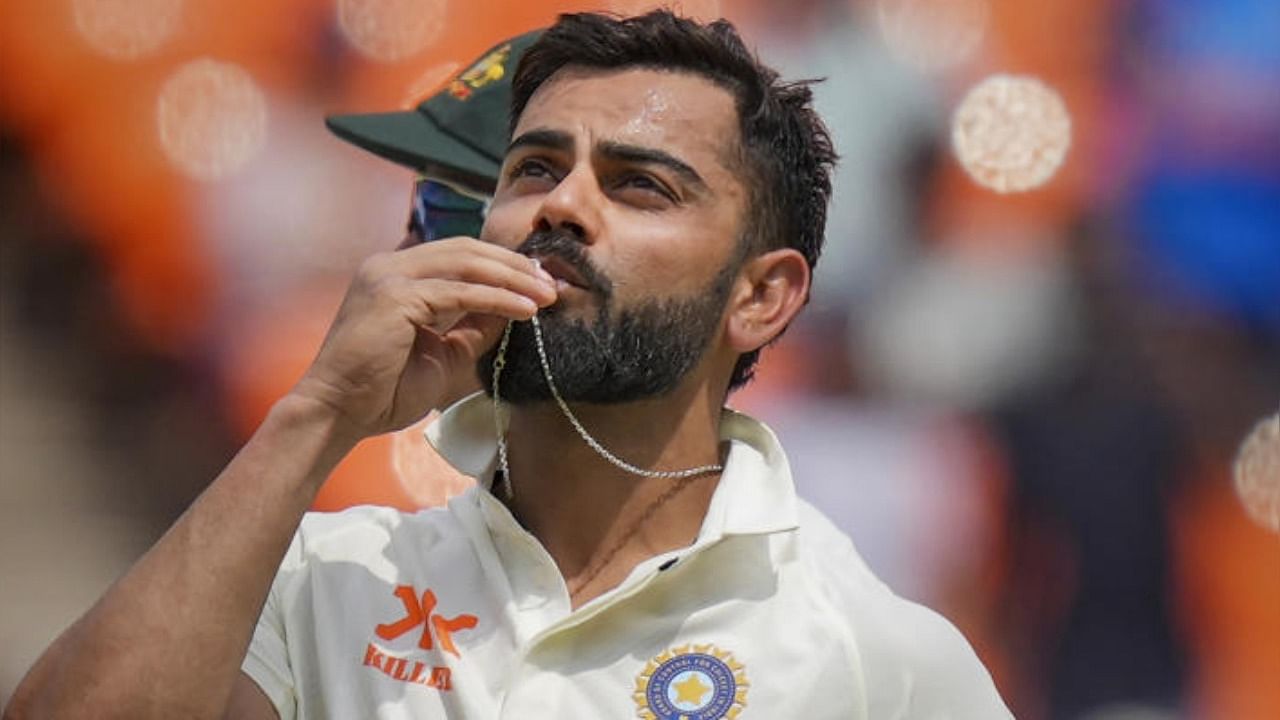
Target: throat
600 508
598 529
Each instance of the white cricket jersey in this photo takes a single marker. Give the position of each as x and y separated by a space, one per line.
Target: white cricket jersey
458 612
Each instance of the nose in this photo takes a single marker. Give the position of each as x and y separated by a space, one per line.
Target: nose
575 204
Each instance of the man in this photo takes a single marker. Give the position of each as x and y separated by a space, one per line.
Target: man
633 549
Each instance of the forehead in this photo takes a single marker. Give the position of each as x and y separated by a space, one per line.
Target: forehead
682 113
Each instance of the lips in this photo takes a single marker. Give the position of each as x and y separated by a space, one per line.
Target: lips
562 271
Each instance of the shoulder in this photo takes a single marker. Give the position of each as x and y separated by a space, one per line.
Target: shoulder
369 535
832 560
334 531
328 529
913 661
835 571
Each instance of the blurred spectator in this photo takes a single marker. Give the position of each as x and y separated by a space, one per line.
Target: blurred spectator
1094 460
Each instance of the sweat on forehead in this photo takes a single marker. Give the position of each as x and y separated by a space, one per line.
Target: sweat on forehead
680 112
655 90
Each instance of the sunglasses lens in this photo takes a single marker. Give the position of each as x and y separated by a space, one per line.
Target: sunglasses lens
439 211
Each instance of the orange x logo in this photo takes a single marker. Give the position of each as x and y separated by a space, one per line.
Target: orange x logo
422 613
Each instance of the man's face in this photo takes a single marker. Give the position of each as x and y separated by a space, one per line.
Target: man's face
623 184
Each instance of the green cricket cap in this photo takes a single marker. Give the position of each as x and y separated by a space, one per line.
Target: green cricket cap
458 135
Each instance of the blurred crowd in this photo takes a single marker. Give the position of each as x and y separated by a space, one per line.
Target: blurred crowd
1024 407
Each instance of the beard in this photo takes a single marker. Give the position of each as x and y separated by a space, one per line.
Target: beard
623 355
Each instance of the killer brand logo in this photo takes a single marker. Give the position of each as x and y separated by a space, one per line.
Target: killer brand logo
436 628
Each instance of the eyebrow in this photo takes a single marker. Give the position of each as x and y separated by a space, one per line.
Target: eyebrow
546 139
623 152
652 156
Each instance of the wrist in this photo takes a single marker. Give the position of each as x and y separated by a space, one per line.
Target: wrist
316 400
310 421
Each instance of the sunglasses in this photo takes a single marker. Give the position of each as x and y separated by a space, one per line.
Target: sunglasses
438 211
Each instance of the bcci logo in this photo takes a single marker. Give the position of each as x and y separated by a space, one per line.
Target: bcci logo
692 682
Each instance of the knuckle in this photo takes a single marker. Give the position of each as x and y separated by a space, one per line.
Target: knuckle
374 267
454 243
386 286
455 298
414 299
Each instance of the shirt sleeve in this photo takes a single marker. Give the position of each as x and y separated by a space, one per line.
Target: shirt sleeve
915 664
948 681
267 661
918 666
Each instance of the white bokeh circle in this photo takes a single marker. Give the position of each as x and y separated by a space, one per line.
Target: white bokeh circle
126 29
1257 474
932 35
391 30
1011 133
212 118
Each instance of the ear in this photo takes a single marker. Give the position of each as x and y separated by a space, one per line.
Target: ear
770 290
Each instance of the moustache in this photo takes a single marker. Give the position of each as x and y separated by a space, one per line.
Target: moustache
566 247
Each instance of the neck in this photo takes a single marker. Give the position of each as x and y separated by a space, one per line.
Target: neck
596 520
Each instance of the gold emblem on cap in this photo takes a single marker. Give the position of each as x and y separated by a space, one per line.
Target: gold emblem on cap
491 68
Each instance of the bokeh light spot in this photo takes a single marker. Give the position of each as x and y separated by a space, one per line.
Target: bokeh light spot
1011 133
702 10
391 30
932 35
1257 474
126 29
212 119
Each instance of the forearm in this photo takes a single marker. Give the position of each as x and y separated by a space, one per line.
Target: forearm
168 638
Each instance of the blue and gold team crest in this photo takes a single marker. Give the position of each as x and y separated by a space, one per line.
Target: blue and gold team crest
692 682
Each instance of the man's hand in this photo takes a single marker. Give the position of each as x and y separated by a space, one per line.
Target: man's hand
414 323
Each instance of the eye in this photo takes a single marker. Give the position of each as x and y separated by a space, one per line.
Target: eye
529 168
645 183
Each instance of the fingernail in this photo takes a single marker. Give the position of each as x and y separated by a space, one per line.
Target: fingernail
537 266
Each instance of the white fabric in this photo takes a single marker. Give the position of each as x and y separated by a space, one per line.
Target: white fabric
770 614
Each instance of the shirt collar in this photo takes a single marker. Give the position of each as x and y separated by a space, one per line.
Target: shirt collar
755 495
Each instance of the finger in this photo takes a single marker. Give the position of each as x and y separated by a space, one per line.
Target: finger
475 334
438 304
474 261
532 281
425 255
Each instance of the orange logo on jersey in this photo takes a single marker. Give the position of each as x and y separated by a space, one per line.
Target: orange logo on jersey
435 628
491 68
423 613
398 668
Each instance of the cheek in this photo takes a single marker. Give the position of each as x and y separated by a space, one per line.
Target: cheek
671 261
509 223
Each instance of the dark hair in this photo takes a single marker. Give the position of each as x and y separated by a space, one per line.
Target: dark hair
784 147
